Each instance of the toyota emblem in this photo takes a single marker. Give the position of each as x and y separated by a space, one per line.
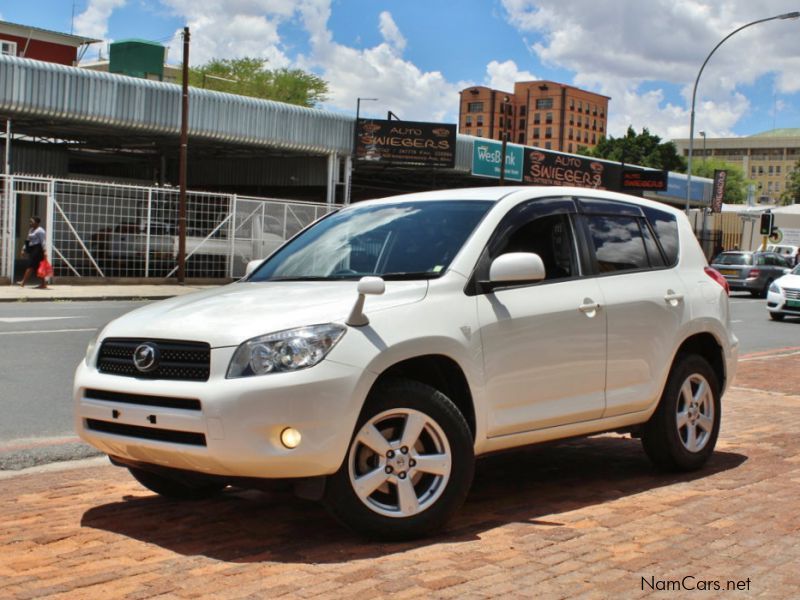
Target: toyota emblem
145 357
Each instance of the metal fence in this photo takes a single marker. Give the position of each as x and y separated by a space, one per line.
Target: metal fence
112 230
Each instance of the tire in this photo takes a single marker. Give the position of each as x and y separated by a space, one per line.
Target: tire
381 478
692 397
175 487
776 316
763 293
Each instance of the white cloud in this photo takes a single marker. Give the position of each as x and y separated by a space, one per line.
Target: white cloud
503 75
390 32
93 22
616 46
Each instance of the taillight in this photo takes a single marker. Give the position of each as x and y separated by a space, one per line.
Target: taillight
717 276
753 273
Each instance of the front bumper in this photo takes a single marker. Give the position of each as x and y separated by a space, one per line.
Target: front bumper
778 303
235 428
753 284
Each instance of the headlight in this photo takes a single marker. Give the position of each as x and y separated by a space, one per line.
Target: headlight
289 350
90 348
773 287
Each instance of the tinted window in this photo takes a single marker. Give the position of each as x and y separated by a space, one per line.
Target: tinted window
665 226
731 258
618 243
653 251
551 238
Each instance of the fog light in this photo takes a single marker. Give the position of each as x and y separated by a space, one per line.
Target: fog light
290 438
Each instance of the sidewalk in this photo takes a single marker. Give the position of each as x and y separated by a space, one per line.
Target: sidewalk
588 518
14 293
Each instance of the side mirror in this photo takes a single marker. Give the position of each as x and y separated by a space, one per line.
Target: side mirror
373 286
516 267
252 265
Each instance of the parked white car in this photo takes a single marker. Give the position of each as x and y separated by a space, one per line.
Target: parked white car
783 296
373 356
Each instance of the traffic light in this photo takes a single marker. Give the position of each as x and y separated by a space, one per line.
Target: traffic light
766 223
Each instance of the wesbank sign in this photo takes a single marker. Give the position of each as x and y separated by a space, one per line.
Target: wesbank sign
487 156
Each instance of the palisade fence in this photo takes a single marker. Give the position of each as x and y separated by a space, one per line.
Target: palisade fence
112 230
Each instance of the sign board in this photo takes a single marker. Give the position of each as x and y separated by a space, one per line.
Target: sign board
639 180
547 168
718 191
487 158
406 142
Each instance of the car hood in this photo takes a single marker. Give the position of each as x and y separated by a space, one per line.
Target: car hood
789 281
229 315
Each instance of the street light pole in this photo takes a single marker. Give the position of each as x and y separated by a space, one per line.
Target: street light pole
703 134
355 146
791 15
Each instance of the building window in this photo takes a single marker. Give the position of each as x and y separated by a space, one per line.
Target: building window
537 118
480 120
761 170
778 170
580 121
468 121
536 132
771 170
548 145
580 106
777 186
548 132
522 123
521 138
570 133
523 110
769 187
544 103
569 148
594 138
480 132
475 107
500 122
8 48
548 118
572 103
752 171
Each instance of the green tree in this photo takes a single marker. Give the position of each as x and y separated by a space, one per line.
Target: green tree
250 77
644 149
735 184
792 193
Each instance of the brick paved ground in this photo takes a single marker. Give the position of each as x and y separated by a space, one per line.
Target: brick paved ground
586 519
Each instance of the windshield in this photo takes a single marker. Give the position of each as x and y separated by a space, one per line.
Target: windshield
734 259
406 240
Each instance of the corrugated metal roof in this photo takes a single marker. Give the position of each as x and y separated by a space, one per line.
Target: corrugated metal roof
69 95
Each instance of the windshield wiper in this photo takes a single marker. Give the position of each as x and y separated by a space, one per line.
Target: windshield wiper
410 275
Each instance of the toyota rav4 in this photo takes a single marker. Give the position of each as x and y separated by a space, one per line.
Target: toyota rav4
372 357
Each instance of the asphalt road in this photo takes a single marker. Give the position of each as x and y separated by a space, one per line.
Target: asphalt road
41 343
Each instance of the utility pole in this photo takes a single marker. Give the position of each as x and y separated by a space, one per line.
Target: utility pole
182 161
504 133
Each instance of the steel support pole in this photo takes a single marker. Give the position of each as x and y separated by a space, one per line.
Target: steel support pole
182 160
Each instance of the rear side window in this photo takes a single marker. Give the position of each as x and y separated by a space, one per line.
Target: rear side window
618 243
665 227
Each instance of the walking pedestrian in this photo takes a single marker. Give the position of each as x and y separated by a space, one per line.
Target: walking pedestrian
34 251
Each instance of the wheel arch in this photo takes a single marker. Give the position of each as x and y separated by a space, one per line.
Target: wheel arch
440 372
706 345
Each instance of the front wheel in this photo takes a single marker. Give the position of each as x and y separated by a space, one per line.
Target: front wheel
409 466
682 433
174 486
776 316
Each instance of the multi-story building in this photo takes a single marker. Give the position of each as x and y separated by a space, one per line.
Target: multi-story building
41 44
767 158
539 113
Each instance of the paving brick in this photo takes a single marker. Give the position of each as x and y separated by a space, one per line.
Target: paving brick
589 519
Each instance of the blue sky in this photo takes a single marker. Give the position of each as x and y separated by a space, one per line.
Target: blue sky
416 55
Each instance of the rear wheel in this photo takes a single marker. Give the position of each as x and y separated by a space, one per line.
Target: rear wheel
409 466
775 316
177 487
682 433
763 293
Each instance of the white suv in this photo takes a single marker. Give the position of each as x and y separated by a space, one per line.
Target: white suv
374 355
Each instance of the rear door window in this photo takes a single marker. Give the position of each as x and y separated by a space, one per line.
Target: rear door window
618 243
665 226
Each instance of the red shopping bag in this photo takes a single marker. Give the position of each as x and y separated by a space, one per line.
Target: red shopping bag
45 269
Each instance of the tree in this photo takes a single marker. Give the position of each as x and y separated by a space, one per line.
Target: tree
735 184
792 193
250 77
644 149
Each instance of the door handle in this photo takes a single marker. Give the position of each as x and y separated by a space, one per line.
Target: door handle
673 298
589 307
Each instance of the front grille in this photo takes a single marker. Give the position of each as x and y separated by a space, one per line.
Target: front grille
791 294
189 438
185 361
140 400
